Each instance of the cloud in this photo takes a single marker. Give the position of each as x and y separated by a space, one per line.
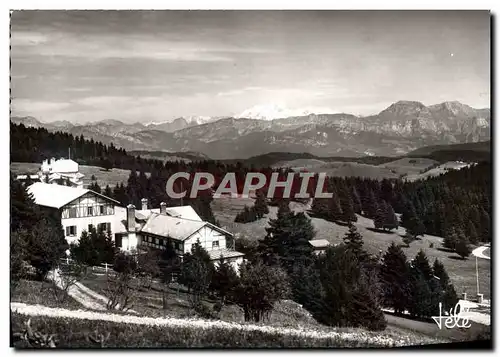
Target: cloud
33 106
105 46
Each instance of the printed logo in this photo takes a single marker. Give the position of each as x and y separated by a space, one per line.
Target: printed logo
455 318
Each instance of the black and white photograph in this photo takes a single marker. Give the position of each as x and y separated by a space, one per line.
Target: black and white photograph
250 179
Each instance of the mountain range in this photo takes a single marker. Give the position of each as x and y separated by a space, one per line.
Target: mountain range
402 127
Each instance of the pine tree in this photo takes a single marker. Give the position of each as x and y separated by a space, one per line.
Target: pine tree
370 205
349 303
440 272
354 243
335 211
380 215
421 296
450 239
412 223
450 298
346 204
421 263
261 286
196 272
224 281
462 247
296 246
46 245
356 200
395 279
391 220
472 233
23 210
271 248
485 224
260 205
108 192
320 208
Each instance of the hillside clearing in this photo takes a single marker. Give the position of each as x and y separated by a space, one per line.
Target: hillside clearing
103 177
439 170
461 272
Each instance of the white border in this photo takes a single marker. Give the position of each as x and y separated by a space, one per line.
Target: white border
149 4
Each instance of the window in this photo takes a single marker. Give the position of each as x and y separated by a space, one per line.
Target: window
215 244
105 227
71 231
90 211
90 227
176 245
101 209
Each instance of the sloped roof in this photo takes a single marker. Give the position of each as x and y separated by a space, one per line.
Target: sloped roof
56 196
319 243
226 253
173 227
186 212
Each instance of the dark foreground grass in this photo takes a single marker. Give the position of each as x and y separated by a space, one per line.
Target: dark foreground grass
71 333
41 293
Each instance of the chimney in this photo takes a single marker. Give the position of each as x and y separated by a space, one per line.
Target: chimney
144 203
131 218
163 208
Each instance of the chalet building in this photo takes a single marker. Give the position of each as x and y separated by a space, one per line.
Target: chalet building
80 208
62 171
180 226
319 245
134 229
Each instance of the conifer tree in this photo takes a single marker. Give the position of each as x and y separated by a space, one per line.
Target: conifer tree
108 192
450 239
485 232
335 211
349 303
440 272
421 296
346 204
462 247
224 281
320 208
379 219
421 263
354 243
395 277
370 205
196 272
260 205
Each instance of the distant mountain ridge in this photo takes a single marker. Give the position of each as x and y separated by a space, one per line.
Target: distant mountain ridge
400 128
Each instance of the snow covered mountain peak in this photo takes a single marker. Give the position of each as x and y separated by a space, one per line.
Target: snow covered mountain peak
277 111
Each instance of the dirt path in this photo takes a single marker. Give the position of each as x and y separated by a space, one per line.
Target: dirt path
371 338
88 298
479 252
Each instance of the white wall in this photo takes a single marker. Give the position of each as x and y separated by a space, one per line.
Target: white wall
235 262
206 236
82 223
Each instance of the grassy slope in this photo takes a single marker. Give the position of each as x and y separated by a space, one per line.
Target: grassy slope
40 293
436 171
462 272
73 333
103 177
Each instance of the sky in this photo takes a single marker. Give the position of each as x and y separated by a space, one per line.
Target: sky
155 66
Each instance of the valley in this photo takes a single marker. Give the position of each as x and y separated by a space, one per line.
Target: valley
397 130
